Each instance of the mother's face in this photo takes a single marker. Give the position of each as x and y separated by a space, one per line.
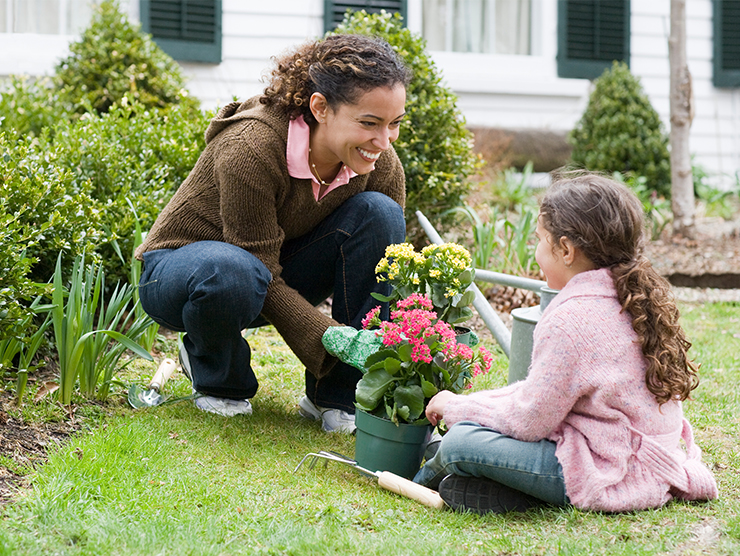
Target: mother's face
356 134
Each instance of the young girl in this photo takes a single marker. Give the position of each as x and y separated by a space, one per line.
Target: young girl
598 421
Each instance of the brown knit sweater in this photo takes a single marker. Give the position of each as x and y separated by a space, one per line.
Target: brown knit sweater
240 192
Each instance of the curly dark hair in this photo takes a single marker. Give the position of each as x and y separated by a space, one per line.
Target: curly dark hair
340 67
606 221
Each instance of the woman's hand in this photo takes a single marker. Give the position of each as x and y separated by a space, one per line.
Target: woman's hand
436 406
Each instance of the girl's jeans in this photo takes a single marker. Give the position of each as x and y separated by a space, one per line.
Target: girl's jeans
214 290
469 449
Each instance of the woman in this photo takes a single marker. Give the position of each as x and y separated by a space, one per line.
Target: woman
295 198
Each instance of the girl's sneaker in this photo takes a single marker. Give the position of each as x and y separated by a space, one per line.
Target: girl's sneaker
482 496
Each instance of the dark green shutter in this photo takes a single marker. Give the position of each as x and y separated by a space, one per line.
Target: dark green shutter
187 30
334 11
726 15
591 35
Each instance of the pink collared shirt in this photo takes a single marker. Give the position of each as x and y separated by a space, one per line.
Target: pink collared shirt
297 154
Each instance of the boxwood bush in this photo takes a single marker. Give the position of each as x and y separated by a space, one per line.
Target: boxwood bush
620 131
113 128
434 146
113 59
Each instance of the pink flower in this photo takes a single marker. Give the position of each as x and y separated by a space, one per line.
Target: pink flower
370 318
415 301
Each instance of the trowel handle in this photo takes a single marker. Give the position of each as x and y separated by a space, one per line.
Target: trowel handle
410 489
164 372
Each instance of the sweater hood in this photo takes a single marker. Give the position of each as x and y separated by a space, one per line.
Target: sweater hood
591 283
250 109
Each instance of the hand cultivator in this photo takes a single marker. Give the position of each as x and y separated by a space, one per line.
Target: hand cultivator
386 479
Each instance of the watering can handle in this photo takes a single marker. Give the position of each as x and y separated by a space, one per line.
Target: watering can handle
164 372
410 489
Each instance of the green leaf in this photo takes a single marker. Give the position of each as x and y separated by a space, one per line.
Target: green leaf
405 351
428 388
371 387
410 401
392 365
378 356
381 297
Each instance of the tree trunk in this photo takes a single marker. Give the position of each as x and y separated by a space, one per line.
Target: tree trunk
682 112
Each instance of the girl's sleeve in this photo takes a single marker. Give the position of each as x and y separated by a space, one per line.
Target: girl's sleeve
531 409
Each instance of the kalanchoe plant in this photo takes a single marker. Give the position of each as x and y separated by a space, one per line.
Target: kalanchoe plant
442 272
419 358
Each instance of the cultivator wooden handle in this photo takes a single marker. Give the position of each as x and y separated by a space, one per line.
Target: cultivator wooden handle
386 479
410 489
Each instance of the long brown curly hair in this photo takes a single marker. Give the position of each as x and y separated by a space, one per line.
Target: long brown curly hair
340 67
606 221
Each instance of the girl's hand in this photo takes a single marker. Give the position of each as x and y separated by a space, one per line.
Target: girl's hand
436 406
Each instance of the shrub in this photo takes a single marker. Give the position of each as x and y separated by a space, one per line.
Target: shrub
114 59
27 106
621 132
130 154
39 216
434 146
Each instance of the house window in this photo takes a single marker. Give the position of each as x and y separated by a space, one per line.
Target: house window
485 26
591 35
726 16
45 17
334 11
187 30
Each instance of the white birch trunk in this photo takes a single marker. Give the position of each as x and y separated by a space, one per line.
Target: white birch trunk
682 112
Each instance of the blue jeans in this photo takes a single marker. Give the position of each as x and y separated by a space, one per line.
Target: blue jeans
469 449
214 290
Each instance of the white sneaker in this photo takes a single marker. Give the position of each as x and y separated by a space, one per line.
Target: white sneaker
332 420
211 404
223 406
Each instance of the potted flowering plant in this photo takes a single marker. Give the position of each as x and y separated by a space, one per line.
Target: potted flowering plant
419 356
442 272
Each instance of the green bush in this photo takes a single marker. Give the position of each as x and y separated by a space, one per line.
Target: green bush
27 106
620 131
434 146
114 59
39 216
130 154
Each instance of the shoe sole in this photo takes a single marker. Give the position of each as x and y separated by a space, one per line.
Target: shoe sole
482 496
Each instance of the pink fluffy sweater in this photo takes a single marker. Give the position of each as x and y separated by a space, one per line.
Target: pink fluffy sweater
619 449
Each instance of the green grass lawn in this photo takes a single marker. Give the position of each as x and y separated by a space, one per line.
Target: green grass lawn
174 480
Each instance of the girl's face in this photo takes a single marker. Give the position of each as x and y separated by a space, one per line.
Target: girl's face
356 134
549 257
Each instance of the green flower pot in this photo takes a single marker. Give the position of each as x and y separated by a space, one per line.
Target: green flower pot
381 445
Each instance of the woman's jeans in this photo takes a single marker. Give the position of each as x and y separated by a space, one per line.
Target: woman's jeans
213 291
469 449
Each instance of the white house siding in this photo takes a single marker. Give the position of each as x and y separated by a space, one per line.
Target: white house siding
494 90
253 31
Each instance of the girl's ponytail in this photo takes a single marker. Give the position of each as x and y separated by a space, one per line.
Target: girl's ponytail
647 297
605 221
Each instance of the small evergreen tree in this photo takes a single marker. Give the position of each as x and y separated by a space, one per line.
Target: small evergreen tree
114 59
620 131
434 146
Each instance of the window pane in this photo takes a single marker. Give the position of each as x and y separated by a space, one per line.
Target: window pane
36 16
434 24
513 26
4 16
79 14
470 33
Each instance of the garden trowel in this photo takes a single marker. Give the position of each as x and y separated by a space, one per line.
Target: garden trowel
138 397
